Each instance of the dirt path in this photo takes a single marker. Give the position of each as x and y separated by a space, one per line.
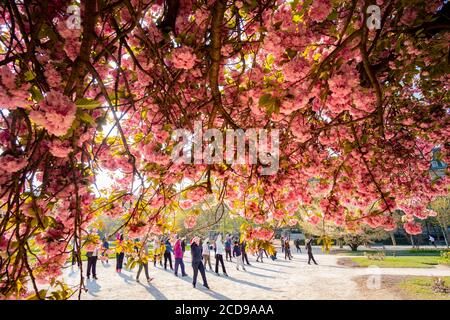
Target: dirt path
278 279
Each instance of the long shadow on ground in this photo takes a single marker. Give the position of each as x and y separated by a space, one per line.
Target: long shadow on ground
128 279
93 287
154 292
256 267
259 274
251 284
210 292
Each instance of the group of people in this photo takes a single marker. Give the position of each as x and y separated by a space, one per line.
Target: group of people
286 248
201 250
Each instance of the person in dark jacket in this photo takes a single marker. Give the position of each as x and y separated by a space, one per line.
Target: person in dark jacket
309 250
119 253
168 255
197 264
297 245
92 256
238 254
228 248
105 247
244 253
183 245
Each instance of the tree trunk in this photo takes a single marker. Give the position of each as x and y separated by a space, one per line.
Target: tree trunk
444 233
354 246
394 242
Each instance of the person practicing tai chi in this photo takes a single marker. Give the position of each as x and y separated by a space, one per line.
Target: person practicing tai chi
143 261
183 244
239 258
287 250
75 259
297 245
432 241
219 255
206 253
260 254
228 248
120 255
168 255
178 254
197 264
105 248
244 252
92 256
309 250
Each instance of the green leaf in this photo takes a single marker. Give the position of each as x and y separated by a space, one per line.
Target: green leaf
47 31
85 103
296 18
29 75
265 100
364 139
42 294
332 16
291 53
86 117
348 147
36 94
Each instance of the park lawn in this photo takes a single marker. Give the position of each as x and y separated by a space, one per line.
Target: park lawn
393 253
399 262
421 288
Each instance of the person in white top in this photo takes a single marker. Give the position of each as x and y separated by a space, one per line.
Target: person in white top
431 238
219 255
206 253
92 256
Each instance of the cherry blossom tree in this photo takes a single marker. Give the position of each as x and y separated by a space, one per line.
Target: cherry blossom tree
96 89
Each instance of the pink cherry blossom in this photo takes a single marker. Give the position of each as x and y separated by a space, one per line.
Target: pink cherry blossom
55 113
60 149
183 58
12 164
190 221
320 9
412 228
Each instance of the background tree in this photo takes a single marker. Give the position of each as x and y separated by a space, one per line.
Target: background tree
353 238
359 110
441 206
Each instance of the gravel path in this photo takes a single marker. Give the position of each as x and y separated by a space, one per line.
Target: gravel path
278 279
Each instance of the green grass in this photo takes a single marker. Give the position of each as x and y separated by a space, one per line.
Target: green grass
399 262
393 253
422 288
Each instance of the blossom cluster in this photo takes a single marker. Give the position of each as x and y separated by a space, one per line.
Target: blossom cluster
183 58
55 113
